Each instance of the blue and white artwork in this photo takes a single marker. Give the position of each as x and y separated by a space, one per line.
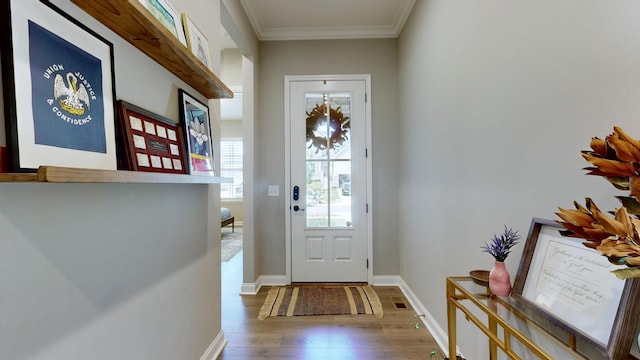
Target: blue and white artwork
67 93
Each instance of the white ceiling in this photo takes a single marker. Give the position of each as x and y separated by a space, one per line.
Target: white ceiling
327 19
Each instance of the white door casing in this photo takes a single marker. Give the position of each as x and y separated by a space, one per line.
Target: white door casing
328 225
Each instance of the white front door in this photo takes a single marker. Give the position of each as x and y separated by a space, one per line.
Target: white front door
328 181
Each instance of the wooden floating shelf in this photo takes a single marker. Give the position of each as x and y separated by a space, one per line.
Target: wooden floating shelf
11 177
55 174
134 23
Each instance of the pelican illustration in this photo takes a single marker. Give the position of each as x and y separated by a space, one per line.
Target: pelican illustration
72 98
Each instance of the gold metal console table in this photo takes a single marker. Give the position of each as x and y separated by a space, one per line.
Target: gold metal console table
520 337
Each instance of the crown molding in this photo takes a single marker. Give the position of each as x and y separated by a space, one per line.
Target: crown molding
263 33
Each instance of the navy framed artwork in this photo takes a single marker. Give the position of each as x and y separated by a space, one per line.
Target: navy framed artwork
59 95
194 117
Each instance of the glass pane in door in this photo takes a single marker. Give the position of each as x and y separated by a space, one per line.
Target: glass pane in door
328 159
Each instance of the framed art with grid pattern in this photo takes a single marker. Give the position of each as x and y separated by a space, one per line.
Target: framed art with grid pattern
150 142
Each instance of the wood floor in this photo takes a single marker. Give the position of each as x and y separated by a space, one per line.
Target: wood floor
395 336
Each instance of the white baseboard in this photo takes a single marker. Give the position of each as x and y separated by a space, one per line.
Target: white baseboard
439 334
386 280
263 280
249 289
215 348
273 280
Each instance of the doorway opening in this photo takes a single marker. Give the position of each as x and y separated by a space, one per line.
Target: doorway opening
237 141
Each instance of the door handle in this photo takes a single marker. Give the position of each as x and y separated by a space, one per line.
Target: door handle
297 208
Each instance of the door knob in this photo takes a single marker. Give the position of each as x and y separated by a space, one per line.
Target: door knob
297 208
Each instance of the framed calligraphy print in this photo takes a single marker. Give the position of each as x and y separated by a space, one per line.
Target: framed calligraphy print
150 142
572 286
58 89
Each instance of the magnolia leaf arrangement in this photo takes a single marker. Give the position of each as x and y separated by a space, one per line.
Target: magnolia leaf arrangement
500 246
338 127
617 159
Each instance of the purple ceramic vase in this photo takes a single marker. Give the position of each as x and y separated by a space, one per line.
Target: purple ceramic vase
499 280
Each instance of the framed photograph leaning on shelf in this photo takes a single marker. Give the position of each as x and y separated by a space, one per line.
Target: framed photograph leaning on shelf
59 92
196 41
167 16
194 117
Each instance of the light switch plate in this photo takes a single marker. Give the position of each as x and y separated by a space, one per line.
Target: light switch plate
273 190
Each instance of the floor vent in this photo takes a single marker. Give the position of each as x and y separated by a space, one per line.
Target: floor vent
399 303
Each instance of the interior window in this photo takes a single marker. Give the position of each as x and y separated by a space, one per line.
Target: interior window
231 167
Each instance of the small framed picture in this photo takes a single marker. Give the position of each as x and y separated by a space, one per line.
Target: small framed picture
150 142
167 15
196 41
59 90
194 116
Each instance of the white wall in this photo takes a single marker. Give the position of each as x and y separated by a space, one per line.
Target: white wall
280 58
497 98
237 25
231 67
107 271
114 271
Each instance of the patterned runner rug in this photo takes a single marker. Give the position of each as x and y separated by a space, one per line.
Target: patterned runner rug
307 300
231 243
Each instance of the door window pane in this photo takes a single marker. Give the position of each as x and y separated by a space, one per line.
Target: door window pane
328 158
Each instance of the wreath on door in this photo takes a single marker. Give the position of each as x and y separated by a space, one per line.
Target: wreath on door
338 127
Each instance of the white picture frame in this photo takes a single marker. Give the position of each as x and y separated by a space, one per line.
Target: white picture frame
197 42
53 123
167 15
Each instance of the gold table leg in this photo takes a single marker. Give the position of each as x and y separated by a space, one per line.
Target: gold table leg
451 320
493 347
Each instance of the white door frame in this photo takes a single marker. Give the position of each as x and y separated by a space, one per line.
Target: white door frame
288 79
